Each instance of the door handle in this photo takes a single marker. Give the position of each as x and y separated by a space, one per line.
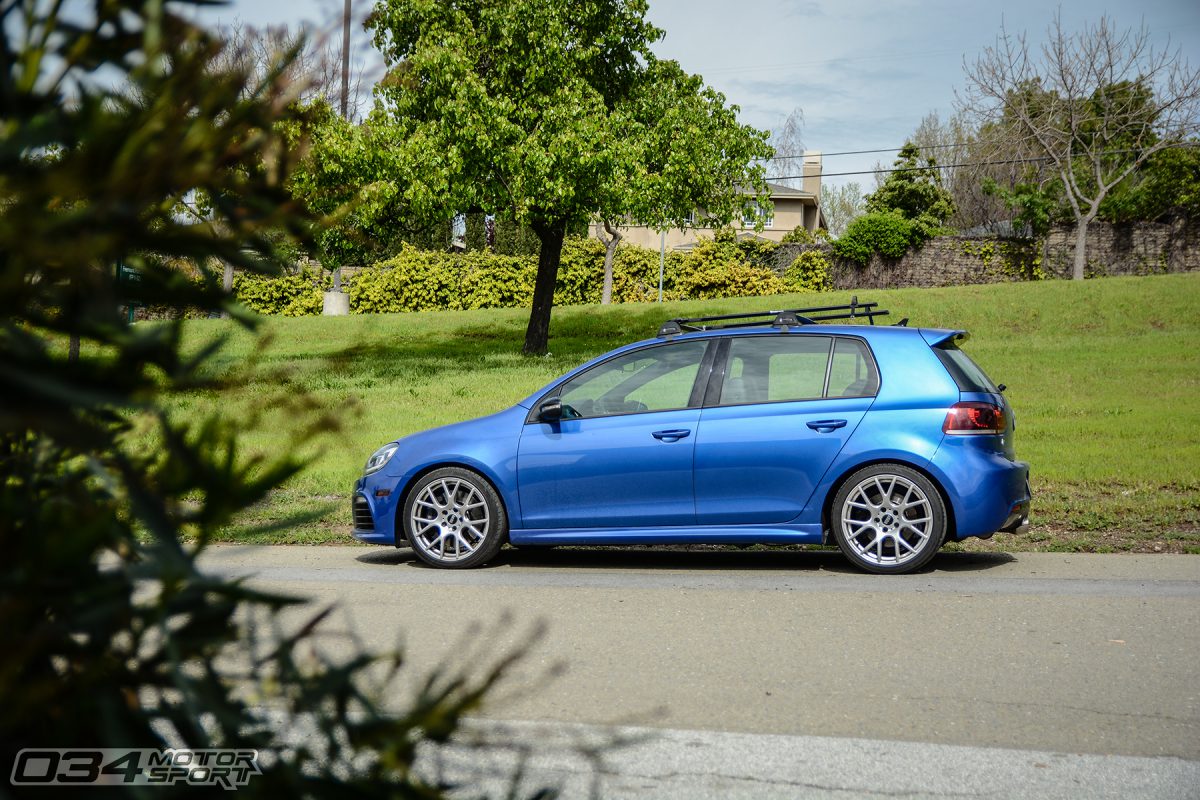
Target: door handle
827 425
671 435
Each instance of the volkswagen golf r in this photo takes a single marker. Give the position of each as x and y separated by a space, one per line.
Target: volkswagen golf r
743 429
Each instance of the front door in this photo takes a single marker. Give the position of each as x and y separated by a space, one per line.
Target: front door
621 457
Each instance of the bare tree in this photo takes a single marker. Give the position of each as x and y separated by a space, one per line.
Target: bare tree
317 67
950 142
1094 104
789 150
840 205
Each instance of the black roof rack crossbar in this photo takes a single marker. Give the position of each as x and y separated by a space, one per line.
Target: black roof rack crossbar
782 318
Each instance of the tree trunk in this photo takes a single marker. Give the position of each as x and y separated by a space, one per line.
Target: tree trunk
227 285
1081 227
550 236
73 349
610 253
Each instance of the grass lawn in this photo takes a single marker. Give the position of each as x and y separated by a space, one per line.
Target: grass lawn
1104 376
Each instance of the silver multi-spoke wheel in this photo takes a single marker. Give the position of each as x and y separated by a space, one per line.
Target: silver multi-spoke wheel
454 519
889 519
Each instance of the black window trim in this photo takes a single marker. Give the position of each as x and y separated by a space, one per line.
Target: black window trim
706 362
712 395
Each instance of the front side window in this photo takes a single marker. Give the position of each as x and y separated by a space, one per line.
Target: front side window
652 379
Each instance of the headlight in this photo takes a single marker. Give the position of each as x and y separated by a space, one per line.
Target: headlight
379 458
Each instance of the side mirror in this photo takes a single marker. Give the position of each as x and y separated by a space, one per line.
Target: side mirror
551 410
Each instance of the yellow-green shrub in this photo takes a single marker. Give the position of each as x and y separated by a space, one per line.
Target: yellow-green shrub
488 280
580 272
423 280
808 273
294 295
719 268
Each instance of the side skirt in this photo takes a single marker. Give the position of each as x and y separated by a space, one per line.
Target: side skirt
707 534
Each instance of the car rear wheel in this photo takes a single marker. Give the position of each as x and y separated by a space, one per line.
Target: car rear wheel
888 518
454 518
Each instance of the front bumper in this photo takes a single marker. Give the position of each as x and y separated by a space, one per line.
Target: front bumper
373 511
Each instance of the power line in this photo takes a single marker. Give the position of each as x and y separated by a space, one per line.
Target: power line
911 169
923 147
882 150
1033 160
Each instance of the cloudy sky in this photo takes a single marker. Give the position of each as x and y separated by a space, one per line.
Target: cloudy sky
863 72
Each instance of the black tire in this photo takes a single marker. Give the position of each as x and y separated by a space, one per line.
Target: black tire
459 520
888 519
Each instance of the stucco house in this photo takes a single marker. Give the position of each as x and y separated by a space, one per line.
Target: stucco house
791 208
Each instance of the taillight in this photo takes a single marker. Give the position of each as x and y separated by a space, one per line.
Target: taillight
971 417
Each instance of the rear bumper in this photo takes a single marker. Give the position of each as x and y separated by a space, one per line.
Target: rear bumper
1018 519
987 491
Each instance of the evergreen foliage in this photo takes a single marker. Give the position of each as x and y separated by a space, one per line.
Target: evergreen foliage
113 634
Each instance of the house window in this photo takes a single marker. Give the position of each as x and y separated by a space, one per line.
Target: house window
753 213
690 219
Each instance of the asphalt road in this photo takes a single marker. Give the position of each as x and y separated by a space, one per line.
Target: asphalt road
788 674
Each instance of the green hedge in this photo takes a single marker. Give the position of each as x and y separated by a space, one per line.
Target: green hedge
423 280
295 295
723 268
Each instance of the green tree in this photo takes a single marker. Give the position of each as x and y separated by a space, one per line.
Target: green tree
914 190
551 112
112 634
682 152
347 174
1096 106
1037 206
1168 184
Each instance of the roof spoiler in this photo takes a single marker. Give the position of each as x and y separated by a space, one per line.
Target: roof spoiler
936 336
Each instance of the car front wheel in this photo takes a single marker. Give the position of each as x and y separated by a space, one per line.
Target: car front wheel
454 518
888 518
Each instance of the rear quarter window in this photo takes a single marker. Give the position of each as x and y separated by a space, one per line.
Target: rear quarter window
965 372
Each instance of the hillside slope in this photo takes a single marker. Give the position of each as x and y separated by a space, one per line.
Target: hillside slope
1104 376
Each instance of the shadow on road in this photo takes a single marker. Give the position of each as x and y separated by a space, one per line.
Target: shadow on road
695 558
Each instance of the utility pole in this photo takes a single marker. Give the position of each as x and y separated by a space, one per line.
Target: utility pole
337 273
662 259
346 59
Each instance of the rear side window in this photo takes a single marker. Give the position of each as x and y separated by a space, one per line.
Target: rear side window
772 369
966 373
852 373
767 369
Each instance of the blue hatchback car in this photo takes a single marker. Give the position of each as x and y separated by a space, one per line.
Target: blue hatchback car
743 429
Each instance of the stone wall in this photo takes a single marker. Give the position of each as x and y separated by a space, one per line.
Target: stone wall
1136 249
1142 248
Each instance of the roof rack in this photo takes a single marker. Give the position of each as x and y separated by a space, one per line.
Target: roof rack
784 318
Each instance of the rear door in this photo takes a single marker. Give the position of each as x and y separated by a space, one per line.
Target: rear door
778 411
